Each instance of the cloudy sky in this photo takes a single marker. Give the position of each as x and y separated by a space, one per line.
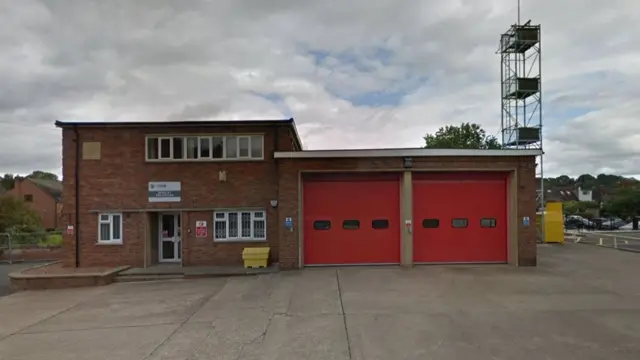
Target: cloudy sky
354 74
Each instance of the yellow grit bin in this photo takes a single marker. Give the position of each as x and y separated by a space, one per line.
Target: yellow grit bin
553 223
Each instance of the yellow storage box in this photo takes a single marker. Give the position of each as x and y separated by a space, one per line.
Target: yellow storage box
256 257
553 223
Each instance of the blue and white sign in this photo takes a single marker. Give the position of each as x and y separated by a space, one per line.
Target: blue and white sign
525 221
164 191
288 223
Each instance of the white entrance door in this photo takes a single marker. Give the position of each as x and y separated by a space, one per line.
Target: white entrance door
170 247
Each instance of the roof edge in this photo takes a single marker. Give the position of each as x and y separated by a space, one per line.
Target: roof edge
62 123
185 123
363 153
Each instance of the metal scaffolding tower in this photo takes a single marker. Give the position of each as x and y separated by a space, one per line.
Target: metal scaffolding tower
521 91
521 94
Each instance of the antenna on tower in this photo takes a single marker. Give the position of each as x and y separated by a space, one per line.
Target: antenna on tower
518 12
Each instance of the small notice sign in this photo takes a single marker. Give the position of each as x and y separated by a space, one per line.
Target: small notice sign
201 229
69 229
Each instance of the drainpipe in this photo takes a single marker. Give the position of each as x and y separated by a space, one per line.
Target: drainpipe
77 192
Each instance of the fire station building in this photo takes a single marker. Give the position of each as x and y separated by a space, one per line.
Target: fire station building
199 192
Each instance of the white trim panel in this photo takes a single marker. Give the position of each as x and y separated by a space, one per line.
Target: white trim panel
363 153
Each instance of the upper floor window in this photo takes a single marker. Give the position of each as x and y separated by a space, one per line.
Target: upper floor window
205 147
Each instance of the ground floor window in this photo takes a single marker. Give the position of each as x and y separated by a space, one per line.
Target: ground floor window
110 228
240 225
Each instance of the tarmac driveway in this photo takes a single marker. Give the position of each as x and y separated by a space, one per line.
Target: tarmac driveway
580 303
5 270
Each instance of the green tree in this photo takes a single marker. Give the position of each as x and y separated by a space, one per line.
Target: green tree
586 181
465 136
15 216
625 203
43 175
7 181
574 207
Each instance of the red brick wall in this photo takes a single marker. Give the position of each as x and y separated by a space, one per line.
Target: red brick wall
289 192
43 203
204 251
119 180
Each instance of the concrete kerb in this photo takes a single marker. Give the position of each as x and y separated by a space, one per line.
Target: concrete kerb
21 275
610 247
578 237
22 281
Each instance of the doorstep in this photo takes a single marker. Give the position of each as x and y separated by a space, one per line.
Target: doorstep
232 270
171 272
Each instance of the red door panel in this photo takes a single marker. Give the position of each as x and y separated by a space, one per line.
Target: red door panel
372 210
478 200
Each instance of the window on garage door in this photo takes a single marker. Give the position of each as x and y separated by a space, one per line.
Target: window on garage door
351 224
488 222
459 223
322 225
430 223
380 224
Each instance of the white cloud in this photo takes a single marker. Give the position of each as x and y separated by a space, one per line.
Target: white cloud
163 59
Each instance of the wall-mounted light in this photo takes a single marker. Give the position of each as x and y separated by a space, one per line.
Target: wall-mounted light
222 176
408 163
274 203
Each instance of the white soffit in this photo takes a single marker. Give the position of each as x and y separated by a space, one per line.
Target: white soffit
365 153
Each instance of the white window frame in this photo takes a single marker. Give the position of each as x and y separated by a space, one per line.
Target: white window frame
224 147
248 138
261 145
110 222
170 138
146 148
225 218
200 138
185 148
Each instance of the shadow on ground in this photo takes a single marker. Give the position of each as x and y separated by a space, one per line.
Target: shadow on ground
580 303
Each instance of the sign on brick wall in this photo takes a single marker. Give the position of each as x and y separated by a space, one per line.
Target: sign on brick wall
201 229
164 191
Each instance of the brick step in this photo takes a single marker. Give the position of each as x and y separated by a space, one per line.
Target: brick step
145 277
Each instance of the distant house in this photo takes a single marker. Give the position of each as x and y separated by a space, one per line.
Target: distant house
561 194
585 194
42 196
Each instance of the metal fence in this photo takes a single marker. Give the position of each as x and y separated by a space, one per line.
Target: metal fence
30 246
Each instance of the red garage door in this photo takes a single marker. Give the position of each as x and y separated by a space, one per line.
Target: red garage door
351 219
459 217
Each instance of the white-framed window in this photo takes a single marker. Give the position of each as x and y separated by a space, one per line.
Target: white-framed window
241 225
207 148
110 228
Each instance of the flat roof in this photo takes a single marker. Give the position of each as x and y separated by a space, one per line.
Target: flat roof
363 153
183 123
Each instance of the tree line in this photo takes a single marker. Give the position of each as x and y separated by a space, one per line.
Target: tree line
625 191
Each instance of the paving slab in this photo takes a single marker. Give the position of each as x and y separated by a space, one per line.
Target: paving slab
316 292
223 338
309 337
170 302
122 343
25 309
